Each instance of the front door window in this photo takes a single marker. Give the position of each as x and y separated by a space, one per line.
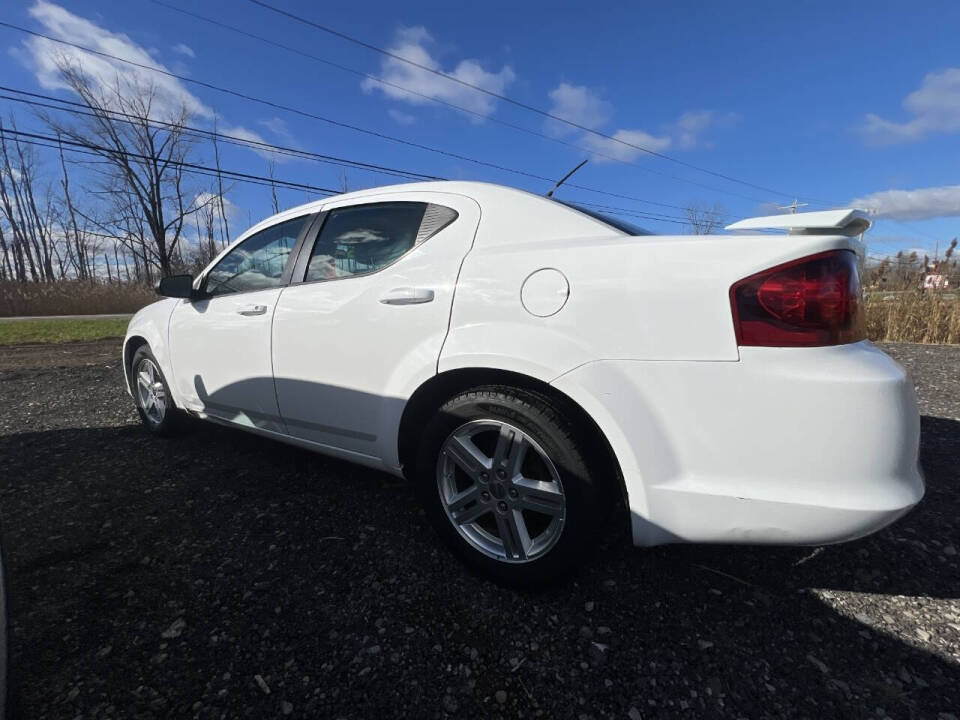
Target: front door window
258 262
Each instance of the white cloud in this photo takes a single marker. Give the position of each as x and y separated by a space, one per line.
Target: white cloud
183 49
249 135
919 204
411 43
278 126
202 198
608 150
689 128
578 104
583 106
935 107
400 117
686 133
42 57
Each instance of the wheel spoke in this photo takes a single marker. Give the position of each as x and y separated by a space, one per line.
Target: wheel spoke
458 506
513 534
466 455
538 496
463 498
510 452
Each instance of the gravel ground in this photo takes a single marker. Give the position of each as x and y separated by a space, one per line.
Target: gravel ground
221 575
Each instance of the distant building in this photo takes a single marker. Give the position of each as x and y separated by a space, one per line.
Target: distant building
933 279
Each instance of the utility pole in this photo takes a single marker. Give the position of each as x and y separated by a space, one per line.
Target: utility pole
792 207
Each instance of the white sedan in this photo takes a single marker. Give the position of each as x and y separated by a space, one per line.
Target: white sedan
531 365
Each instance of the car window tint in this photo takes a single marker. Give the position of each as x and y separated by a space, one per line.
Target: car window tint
364 238
617 223
256 263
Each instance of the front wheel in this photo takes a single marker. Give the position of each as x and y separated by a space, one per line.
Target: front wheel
507 485
155 405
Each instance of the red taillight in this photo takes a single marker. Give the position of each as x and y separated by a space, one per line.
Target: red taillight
805 303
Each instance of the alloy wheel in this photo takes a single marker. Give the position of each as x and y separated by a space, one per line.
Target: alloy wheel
151 394
501 491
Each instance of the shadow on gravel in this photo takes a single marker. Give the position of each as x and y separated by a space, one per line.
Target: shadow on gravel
162 578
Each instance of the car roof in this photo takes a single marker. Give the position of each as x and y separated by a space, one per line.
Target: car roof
502 206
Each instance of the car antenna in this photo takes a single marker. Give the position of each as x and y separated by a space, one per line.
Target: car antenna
565 178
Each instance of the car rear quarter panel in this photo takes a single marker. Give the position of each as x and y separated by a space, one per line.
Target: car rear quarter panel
637 298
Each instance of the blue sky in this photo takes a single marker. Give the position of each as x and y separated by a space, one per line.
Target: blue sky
831 102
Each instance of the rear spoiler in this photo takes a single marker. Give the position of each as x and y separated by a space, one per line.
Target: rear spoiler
825 222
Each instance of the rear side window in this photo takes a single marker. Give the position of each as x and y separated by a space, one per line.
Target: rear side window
258 262
617 223
362 239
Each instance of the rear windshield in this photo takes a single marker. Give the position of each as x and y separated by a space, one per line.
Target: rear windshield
616 223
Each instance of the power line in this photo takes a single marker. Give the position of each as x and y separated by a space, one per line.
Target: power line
534 109
267 182
212 174
346 125
512 101
910 227
313 116
445 103
193 171
92 149
613 209
81 109
275 105
258 180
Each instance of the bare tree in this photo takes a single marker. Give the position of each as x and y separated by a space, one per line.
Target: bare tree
27 210
134 233
6 267
77 249
224 225
206 237
20 248
144 160
38 219
273 188
705 220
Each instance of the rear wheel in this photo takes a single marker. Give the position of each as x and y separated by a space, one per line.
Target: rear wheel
507 485
151 393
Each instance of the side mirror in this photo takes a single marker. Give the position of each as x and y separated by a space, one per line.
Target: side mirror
176 286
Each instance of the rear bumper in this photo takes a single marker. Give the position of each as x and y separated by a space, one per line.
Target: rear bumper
789 446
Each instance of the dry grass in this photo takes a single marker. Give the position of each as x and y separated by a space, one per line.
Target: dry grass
71 298
913 316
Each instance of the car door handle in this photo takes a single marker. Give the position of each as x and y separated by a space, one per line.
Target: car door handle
252 310
407 296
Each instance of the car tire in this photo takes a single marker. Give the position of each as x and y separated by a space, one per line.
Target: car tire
508 485
151 393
